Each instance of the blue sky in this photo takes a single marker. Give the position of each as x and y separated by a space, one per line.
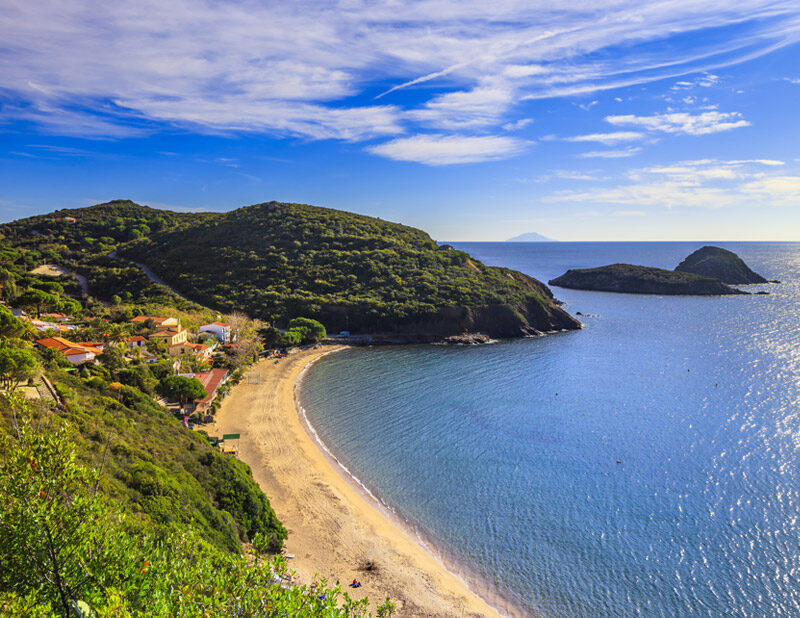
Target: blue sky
593 120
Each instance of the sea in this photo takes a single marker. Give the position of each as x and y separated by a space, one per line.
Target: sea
646 465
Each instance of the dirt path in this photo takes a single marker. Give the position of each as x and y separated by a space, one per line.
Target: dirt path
54 270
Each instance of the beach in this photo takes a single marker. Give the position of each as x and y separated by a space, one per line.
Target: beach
335 531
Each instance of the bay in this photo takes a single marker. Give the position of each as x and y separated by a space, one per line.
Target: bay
645 465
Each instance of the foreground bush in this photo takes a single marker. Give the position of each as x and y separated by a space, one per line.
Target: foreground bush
66 550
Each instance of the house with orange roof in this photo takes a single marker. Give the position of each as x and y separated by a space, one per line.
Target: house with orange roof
55 317
221 330
158 322
75 352
92 344
137 342
194 349
211 381
171 336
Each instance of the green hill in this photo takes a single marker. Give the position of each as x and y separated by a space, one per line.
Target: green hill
276 261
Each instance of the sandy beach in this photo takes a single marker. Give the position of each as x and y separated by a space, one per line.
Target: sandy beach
334 530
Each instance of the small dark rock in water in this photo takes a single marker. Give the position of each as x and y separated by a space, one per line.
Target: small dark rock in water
720 264
761 292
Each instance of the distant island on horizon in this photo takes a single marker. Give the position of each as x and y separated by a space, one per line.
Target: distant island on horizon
531 237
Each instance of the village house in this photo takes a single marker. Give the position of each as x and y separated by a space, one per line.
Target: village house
136 342
55 317
211 381
93 344
171 336
186 347
157 321
75 352
220 330
43 326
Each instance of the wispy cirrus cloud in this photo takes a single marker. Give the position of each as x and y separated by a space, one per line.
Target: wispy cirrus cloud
703 183
607 139
344 70
683 122
611 154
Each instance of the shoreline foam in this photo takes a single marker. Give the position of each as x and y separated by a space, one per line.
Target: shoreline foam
334 529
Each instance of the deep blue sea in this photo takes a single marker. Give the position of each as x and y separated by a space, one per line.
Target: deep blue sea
646 465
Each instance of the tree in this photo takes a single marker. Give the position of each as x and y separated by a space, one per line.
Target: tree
181 388
52 533
310 330
112 358
8 284
16 365
69 306
37 300
274 338
113 333
10 326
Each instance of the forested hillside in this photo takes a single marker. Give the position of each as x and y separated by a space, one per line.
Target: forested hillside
276 261
279 261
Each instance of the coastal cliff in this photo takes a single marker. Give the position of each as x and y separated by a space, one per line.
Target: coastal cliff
720 264
642 280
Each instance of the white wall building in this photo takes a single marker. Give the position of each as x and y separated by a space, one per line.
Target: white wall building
220 330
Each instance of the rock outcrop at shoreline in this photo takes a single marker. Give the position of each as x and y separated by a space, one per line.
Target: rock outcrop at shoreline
720 264
642 280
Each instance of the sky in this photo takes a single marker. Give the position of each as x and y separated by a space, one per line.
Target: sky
473 120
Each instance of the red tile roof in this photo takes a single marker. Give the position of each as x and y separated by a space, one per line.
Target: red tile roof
67 347
57 343
210 381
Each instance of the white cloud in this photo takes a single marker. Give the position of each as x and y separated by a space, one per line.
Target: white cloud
480 107
704 81
651 194
780 188
683 122
607 139
610 154
449 149
629 213
702 183
310 69
517 124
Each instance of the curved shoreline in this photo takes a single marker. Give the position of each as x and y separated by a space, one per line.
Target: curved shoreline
474 582
334 529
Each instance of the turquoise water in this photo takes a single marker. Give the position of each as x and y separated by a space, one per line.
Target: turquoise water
646 465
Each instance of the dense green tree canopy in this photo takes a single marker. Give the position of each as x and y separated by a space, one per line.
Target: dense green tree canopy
16 365
10 326
181 388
